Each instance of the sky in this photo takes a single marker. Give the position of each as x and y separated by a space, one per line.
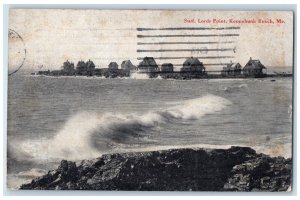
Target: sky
51 36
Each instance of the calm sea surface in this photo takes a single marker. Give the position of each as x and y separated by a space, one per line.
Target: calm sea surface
75 118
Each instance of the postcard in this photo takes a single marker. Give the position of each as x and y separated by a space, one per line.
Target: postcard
150 100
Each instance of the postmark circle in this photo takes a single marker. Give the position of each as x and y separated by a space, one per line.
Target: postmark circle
16 52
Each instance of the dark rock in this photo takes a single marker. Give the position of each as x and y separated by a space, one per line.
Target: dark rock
233 169
68 171
261 174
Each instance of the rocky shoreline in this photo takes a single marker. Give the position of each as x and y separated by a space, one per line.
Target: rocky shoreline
233 169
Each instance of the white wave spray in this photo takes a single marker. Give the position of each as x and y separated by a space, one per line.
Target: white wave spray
137 75
76 140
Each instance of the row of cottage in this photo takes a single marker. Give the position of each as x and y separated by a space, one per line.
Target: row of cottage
149 65
252 68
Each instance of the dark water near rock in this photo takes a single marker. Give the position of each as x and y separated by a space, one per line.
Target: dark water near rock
54 118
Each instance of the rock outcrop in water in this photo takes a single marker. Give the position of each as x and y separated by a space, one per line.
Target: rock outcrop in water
233 169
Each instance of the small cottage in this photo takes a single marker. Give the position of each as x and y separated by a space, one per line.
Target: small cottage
167 67
81 68
90 67
254 68
148 65
113 66
68 68
81 65
192 65
232 69
127 65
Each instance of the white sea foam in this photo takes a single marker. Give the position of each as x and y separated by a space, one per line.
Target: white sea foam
71 142
76 140
235 88
197 108
34 172
139 76
15 180
284 150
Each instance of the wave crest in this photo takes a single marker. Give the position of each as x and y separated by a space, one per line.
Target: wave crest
88 134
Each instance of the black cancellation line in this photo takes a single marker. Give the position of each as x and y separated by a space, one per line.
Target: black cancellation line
190 35
206 64
200 57
164 43
186 28
183 50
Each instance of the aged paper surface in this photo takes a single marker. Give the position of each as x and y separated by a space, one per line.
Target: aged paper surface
163 100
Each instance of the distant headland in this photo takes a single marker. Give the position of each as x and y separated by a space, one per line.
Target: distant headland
192 68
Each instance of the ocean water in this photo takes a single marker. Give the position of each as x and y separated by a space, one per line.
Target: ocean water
75 118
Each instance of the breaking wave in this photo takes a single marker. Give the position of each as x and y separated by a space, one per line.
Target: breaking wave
88 134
